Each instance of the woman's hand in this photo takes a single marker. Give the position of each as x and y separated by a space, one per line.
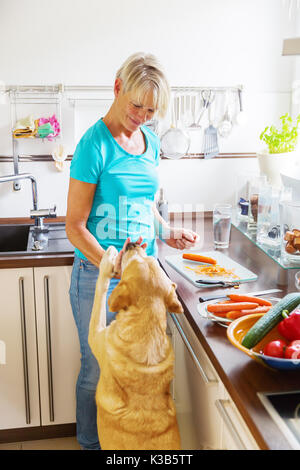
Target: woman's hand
118 263
182 238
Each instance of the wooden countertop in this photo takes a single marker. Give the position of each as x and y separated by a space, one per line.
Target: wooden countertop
242 376
32 261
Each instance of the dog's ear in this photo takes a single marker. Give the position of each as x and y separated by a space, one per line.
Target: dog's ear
172 303
119 298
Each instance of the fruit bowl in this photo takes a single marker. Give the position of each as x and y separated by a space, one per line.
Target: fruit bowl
238 329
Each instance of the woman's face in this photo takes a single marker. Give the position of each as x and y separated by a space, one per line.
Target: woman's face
133 112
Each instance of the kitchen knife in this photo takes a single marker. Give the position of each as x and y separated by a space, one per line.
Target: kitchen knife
223 296
218 283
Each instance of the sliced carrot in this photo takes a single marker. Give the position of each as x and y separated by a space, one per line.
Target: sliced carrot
248 298
213 308
200 258
213 270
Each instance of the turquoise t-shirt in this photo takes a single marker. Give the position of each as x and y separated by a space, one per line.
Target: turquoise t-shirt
126 187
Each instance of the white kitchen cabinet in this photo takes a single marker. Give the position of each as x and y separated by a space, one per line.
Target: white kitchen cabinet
19 386
196 389
38 381
236 434
58 345
206 414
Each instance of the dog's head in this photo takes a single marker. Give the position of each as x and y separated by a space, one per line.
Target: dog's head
143 282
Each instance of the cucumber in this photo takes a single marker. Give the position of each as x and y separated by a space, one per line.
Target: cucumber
270 319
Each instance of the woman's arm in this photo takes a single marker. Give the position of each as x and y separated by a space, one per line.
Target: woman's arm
80 201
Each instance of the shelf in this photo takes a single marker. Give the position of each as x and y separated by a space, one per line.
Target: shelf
57 137
272 253
32 97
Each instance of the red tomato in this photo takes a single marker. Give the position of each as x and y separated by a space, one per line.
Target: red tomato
292 351
275 348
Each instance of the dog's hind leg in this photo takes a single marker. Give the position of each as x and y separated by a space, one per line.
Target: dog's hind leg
106 271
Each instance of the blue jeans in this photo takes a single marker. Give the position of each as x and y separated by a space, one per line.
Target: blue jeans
82 291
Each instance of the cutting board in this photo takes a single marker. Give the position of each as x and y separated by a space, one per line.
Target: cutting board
179 264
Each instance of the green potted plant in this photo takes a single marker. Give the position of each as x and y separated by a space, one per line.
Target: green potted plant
280 153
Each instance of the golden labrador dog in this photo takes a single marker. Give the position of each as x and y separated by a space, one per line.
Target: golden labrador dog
135 410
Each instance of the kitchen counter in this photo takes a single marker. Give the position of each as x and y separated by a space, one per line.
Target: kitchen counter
39 259
34 261
242 376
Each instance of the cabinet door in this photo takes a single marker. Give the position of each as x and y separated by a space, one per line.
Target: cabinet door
197 387
236 434
19 390
58 345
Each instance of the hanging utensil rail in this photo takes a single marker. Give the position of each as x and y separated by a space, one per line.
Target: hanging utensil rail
61 88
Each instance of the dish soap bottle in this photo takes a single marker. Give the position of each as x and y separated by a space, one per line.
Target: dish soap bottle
162 205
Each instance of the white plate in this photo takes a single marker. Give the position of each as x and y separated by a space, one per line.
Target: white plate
202 310
223 321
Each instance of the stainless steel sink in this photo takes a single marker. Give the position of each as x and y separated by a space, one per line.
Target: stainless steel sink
24 240
13 238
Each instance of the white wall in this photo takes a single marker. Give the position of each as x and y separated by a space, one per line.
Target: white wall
200 43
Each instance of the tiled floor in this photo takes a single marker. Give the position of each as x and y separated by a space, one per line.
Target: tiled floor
65 443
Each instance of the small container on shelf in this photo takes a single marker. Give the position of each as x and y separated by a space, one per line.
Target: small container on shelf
255 185
241 208
268 220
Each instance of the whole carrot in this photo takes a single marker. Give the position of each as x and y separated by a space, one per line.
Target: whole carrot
233 314
248 298
226 307
220 314
200 258
241 313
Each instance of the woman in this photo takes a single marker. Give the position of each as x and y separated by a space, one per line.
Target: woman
113 181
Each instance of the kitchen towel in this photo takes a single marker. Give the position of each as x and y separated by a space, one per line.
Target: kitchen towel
59 155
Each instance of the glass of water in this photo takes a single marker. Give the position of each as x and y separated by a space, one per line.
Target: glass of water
222 224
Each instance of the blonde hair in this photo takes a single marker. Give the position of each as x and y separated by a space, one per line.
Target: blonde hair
141 73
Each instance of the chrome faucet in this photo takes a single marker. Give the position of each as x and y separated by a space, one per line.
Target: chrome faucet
37 214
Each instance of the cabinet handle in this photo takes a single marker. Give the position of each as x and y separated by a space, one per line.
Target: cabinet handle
24 350
206 379
221 406
49 350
